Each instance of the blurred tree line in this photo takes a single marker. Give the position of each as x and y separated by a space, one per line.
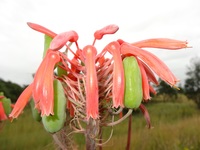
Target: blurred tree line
192 82
191 86
10 89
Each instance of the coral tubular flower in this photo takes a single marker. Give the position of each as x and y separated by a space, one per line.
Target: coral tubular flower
21 102
163 43
61 39
41 29
118 74
110 29
41 89
2 113
146 115
145 82
92 97
43 83
152 61
152 90
150 74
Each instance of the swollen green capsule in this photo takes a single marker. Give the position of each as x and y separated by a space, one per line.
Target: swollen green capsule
60 71
133 83
54 123
36 115
47 41
6 105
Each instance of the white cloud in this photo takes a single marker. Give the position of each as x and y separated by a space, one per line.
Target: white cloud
21 47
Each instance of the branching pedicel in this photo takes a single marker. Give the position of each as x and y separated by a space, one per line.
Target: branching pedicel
94 85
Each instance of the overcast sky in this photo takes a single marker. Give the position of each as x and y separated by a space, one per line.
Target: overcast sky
21 48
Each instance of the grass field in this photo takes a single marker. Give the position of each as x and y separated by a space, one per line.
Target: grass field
176 127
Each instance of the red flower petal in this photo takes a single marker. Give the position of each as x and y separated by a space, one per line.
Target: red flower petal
146 115
150 74
41 29
110 29
152 90
92 96
118 74
43 83
2 113
152 61
61 39
145 82
161 43
21 101
38 80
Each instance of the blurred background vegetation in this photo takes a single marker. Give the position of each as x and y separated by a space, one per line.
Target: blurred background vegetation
175 115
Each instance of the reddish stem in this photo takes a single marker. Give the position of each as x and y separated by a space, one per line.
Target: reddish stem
129 133
90 134
100 138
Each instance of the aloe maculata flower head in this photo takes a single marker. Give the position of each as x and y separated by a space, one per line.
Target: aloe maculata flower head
94 84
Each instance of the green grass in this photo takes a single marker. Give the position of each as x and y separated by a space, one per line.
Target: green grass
178 136
24 133
176 127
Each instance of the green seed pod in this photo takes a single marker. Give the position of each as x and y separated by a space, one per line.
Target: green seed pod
133 83
6 105
36 114
47 41
61 71
1 94
54 123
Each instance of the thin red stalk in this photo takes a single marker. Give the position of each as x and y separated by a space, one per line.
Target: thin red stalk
129 133
100 138
90 134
